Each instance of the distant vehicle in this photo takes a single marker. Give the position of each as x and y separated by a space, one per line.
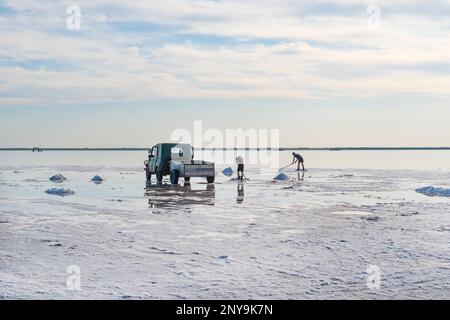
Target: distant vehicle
176 160
36 149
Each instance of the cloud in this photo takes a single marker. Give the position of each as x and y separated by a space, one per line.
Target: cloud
134 51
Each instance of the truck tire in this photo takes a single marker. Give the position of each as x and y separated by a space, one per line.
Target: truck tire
187 179
159 176
174 175
210 179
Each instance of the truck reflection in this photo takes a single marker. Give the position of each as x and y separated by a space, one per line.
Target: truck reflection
177 197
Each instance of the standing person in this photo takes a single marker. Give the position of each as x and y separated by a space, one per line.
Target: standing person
240 167
299 159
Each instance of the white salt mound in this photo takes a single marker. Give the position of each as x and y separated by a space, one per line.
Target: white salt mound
59 192
227 172
434 192
97 179
281 177
57 178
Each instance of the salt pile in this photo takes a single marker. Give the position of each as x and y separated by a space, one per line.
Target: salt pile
434 192
281 177
57 178
59 192
227 172
97 179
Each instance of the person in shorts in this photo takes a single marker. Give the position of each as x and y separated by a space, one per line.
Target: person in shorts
299 159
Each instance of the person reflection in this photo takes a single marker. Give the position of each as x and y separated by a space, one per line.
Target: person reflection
174 198
240 193
301 176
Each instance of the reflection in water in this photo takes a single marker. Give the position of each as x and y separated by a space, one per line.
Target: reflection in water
240 192
301 176
179 197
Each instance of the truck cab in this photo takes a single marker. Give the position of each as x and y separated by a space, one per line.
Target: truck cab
176 160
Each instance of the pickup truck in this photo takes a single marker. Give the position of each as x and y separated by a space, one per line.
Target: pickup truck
176 160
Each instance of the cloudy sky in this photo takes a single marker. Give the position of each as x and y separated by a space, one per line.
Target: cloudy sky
324 72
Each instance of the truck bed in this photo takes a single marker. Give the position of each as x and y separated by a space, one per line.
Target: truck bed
199 170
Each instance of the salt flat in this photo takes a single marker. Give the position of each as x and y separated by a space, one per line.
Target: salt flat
313 236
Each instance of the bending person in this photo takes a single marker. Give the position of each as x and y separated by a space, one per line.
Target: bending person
299 159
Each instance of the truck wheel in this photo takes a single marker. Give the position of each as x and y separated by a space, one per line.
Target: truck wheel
159 176
210 179
187 179
174 175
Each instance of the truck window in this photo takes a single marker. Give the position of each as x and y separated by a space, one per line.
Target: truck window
176 152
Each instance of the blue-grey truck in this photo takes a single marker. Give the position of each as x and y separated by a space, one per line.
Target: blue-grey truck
176 160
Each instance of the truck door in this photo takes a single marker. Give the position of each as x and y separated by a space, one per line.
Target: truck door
152 160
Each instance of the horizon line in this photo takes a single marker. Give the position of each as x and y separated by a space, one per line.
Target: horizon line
226 149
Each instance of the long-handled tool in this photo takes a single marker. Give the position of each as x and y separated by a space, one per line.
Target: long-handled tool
286 166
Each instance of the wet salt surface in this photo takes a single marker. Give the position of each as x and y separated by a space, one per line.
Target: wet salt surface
302 238
351 212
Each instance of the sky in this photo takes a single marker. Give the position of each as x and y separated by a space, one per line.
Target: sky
323 73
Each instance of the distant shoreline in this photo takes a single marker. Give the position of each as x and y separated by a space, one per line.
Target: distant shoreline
247 149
